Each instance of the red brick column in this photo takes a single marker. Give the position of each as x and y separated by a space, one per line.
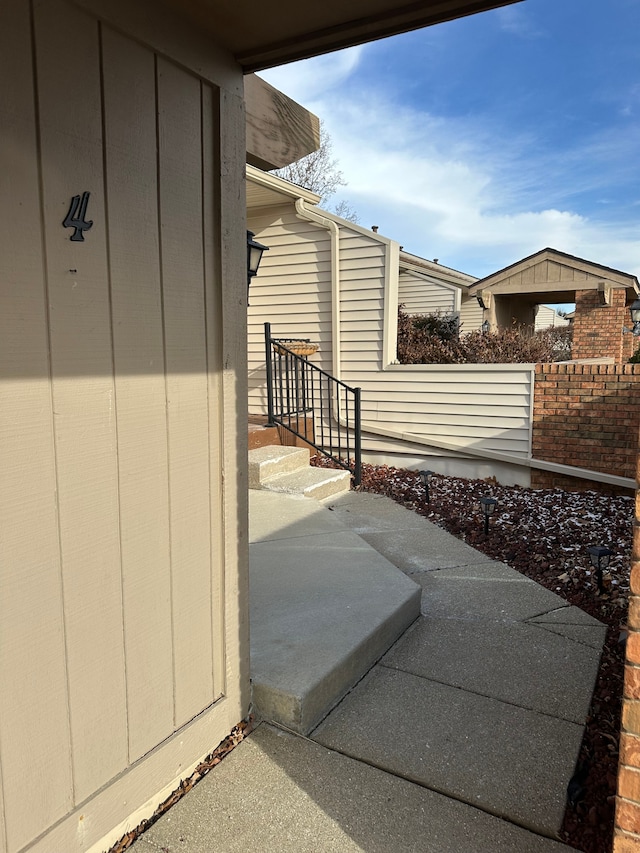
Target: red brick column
597 328
627 820
586 415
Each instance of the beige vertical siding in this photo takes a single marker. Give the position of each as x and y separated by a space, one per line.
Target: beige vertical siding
142 427
33 668
485 406
83 393
425 296
119 587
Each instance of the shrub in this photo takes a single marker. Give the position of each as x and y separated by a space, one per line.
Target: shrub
431 339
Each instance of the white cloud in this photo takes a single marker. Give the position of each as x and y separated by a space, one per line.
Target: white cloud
307 80
516 21
463 189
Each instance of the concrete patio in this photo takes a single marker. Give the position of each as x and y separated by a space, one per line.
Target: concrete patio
461 738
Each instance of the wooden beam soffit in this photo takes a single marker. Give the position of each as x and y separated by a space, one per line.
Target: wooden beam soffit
279 130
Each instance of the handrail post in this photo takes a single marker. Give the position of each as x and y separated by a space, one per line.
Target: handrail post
269 368
357 471
288 392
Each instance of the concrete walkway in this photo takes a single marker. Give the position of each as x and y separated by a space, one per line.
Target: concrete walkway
460 739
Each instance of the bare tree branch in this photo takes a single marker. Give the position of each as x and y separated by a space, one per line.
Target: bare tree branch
319 173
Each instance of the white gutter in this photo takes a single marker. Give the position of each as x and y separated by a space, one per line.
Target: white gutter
334 264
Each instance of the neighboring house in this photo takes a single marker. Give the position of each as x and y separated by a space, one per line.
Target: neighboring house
602 297
123 571
337 283
548 318
428 287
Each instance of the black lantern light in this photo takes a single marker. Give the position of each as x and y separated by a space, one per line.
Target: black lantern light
488 506
255 251
484 328
634 310
600 557
426 476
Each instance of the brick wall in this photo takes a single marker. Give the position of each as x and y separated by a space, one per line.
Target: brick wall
586 415
627 821
597 328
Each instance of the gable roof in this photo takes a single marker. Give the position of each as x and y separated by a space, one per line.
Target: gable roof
551 274
433 269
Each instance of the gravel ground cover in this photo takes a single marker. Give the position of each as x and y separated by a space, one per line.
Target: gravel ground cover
544 534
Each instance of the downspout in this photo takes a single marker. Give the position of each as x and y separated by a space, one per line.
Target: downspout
334 265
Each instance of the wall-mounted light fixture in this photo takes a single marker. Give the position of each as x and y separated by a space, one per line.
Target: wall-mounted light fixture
599 556
255 251
488 506
484 328
484 299
634 310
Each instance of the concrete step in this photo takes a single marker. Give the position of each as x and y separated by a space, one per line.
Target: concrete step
325 606
318 483
287 470
272 461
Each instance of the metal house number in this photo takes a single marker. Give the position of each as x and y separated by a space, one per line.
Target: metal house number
75 217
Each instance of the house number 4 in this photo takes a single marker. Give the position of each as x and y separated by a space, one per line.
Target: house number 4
76 217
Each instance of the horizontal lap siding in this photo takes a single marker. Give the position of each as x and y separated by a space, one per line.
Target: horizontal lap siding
292 291
424 297
362 294
487 408
471 315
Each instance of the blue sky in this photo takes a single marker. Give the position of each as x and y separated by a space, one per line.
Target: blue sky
483 140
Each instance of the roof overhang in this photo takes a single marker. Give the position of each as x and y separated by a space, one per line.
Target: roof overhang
261 37
553 276
264 190
432 270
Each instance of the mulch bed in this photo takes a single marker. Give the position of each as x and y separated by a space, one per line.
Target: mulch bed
544 534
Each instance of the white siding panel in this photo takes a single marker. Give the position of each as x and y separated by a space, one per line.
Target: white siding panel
471 315
424 297
292 291
470 406
481 406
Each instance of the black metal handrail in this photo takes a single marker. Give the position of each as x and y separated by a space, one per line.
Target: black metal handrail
313 405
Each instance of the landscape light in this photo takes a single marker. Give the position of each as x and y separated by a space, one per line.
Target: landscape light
488 506
426 476
600 557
